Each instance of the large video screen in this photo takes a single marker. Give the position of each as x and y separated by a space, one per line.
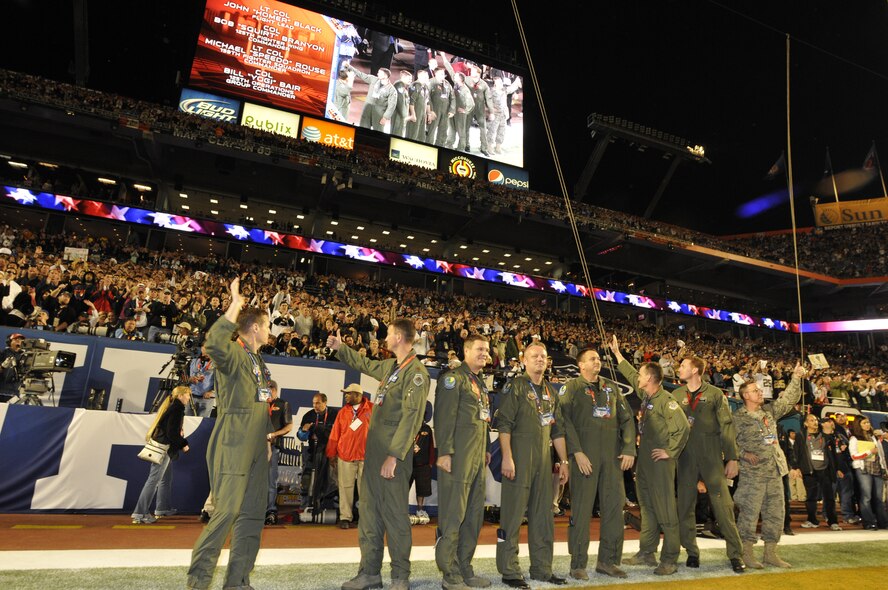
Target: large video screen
286 56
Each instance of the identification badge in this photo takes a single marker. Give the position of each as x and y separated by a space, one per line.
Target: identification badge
380 397
691 421
484 414
163 321
356 423
263 394
817 455
393 378
600 412
547 418
770 439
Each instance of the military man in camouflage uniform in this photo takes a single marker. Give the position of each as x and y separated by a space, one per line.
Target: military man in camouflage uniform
399 408
762 467
712 443
529 417
379 106
664 432
601 444
462 418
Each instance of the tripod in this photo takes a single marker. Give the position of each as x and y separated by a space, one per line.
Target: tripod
32 388
176 376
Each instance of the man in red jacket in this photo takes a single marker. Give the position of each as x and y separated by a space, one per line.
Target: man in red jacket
348 440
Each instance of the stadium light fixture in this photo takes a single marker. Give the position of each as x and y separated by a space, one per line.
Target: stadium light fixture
214 201
17 164
272 211
243 205
141 187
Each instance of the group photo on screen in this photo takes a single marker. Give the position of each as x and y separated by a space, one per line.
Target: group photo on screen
423 94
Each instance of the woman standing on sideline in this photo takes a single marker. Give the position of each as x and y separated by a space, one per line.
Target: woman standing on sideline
167 430
869 469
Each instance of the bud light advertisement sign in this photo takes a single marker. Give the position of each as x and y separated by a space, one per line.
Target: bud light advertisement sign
211 106
509 176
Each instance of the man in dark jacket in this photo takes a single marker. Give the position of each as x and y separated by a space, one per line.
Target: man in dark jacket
817 462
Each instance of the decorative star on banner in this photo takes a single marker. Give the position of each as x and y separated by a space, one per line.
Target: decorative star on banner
23 196
67 202
414 261
558 286
118 213
446 267
474 273
162 219
275 238
237 232
675 306
181 224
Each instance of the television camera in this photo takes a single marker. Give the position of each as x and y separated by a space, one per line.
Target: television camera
36 368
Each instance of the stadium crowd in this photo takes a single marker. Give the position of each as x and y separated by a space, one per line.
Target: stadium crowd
849 252
139 294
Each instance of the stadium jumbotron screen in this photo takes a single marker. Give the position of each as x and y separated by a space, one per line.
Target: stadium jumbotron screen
289 57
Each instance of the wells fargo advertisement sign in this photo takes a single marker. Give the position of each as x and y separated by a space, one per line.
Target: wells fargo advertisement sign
851 212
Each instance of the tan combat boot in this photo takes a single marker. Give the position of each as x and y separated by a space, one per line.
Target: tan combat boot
771 557
748 557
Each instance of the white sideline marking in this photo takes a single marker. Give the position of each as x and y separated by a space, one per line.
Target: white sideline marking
120 558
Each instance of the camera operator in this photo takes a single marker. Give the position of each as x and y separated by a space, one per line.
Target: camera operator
202 377
10 360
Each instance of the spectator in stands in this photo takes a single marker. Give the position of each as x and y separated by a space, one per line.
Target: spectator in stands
844 471
282 320
345 448
212 312
161 316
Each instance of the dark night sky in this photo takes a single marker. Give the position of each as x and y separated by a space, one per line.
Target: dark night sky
689 67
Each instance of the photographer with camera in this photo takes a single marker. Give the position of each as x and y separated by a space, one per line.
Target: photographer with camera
202 377
10 360
129 331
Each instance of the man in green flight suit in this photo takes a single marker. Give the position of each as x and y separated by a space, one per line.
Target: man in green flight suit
711 456
601 444
381 100
529 417
399 408
664 432
238 451
459 129
462 416
443 107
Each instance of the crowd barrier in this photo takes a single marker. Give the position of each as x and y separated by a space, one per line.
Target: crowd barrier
65 458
